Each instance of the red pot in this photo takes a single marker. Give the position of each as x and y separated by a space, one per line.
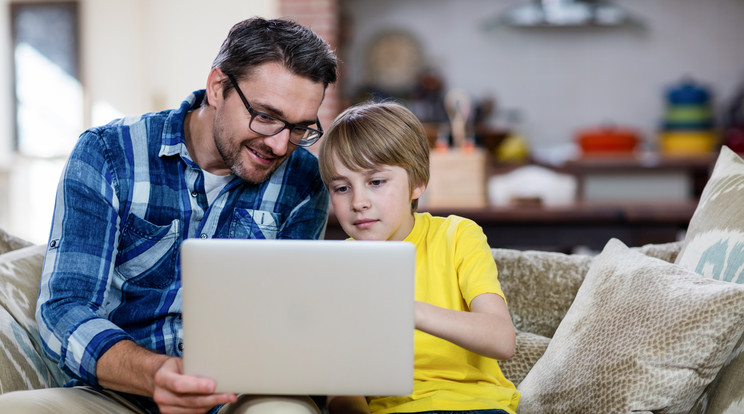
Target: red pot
607 139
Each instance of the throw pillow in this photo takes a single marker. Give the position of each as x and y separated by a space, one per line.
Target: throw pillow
642 335
714 243
22 363
714 247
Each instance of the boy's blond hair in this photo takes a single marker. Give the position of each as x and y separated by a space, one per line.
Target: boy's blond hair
372 134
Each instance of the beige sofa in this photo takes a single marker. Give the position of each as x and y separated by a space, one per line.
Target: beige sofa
656 328
540 287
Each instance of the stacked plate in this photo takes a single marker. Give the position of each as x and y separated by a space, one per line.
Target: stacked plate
689 121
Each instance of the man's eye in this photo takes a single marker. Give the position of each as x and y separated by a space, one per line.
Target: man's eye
264 118
298 132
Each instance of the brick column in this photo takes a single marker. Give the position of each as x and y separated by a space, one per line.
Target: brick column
322 17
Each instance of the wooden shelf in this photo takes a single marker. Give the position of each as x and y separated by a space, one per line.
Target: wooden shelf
591 223
563 228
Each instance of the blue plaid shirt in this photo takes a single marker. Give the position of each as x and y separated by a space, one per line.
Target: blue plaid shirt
129 195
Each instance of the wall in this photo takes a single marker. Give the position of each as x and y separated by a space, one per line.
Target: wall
563 79
137 56
322 17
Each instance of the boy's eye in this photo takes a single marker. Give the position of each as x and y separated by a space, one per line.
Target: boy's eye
376 183
341 189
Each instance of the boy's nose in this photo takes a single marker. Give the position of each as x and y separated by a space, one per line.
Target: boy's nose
360 202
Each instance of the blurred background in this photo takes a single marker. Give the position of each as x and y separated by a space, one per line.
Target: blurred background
554 123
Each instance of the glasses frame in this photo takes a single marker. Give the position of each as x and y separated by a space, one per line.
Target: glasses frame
287 125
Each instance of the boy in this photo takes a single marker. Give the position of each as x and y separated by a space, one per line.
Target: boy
374 160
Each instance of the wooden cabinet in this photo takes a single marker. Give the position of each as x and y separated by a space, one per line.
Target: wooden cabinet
641 178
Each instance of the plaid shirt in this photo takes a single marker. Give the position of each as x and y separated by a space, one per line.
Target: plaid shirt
129 195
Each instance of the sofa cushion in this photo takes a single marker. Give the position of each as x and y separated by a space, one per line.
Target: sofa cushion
22 364
530 348
714 247
539 286
642 334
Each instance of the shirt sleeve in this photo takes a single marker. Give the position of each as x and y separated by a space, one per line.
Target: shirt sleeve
79 263
476 268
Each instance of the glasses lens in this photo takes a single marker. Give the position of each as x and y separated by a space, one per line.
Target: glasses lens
304 136
265 124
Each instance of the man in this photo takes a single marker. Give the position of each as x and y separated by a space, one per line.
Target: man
228 163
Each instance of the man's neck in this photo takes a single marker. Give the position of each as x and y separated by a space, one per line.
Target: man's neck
200 141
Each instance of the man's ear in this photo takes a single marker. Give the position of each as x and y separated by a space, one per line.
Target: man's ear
215 86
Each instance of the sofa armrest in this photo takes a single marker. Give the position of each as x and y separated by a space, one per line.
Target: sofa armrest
9 242
23 364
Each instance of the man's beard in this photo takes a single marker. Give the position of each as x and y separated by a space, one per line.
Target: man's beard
232 158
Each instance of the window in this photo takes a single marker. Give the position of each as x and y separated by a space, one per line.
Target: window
48 92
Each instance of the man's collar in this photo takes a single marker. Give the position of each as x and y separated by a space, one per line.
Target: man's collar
173 140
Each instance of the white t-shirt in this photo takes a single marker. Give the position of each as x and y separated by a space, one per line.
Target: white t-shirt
213 184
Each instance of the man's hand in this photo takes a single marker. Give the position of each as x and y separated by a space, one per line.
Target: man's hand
178 393
130 368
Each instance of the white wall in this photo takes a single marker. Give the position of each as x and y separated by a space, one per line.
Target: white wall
563 79
147 55
137 56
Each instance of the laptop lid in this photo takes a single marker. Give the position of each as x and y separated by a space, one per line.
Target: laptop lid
304 317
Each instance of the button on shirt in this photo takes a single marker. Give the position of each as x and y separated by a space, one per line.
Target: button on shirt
129 195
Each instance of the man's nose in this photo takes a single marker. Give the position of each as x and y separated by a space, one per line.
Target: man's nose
279 142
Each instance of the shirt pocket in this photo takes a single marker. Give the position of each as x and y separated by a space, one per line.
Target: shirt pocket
254 224
148 253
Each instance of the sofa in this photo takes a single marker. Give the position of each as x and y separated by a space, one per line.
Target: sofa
649 329
644 329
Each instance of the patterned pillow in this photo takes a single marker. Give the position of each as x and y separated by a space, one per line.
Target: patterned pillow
714 244
642 334
714 247
22 364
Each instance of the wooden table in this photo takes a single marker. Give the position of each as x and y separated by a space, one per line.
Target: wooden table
565 228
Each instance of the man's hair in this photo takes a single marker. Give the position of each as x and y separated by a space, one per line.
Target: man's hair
373 134
256 41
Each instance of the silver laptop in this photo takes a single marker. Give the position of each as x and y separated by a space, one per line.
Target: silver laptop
299 317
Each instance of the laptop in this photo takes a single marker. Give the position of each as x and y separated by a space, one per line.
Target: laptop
299 317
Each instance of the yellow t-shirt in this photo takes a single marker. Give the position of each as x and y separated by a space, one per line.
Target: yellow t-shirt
454 264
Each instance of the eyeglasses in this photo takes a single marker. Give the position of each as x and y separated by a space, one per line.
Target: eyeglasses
268 125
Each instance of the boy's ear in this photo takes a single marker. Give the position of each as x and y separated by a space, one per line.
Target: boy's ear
418 191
